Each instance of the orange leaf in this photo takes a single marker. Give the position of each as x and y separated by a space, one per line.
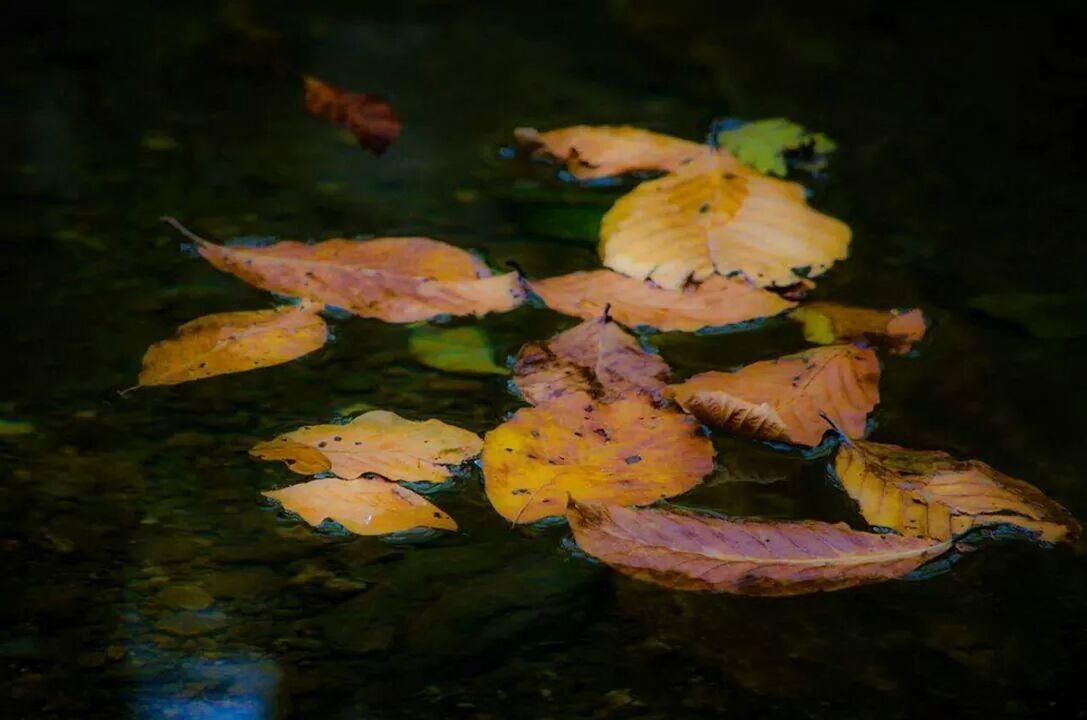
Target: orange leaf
628 452
715 216
689 551
828 323
784 399
392 279
596 357
717 302
377 442
931 494
364 507
369 118
598 151
234 342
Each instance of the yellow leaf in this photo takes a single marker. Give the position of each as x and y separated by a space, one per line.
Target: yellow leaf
462 349
762 144
827 323
597 151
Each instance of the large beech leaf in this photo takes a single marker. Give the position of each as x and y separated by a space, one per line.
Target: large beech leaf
597 151
716 302
931 494
402 279
362 506
717 216
828 323
690 551
368 117
378 442
596 357
234 342
628 452
786 399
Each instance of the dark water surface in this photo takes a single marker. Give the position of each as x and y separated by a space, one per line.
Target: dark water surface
143 576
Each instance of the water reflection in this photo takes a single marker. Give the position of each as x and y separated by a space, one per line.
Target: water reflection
231 688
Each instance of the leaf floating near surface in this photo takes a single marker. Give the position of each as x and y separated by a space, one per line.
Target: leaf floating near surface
234 342
591 152
690 551
717 216
931 494
764 144
596 358
378 442
629 452
364 506
785 399
368 117
461 350
717 302
828 323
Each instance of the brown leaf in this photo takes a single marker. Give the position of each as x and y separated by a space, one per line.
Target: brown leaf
689 551
931 494
598 151
368 117
234 342
378 442
785 399
596 358
717 302
364 507
827 323
628 452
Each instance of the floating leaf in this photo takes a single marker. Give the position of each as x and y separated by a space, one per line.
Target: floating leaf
597 151
785 399
690 551
931 494
596 358
461 349
714 303
715 215
402 279
368 117
363 506
378 442
234 342
828 323
763 144
628 452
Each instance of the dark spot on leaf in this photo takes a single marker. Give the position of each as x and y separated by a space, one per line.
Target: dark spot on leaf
322 444
630 460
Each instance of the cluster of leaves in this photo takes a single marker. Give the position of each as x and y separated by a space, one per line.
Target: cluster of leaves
712 242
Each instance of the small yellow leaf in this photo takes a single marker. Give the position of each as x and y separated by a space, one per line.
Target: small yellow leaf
762 144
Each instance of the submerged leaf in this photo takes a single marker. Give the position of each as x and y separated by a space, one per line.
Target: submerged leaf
596 358
828 323
363 506
690 551
461 349
378 442
234 342
931 494
368 117
763 144
786 399
716 302
597 151
628 452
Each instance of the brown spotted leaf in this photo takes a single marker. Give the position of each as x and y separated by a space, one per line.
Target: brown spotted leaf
690 551
597 151
368 117
828 323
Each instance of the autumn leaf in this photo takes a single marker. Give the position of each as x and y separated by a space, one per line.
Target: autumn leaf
234 342
596 151
785 399
716 216
595 357
828 323
378 442
368 117
763 144
362 506
461 350
400 279
628 452
691 551
931 494
716 302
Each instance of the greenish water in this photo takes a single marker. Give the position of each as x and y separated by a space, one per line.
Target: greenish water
959 170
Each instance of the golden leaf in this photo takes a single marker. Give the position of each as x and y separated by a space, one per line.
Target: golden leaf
597 151
827 323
